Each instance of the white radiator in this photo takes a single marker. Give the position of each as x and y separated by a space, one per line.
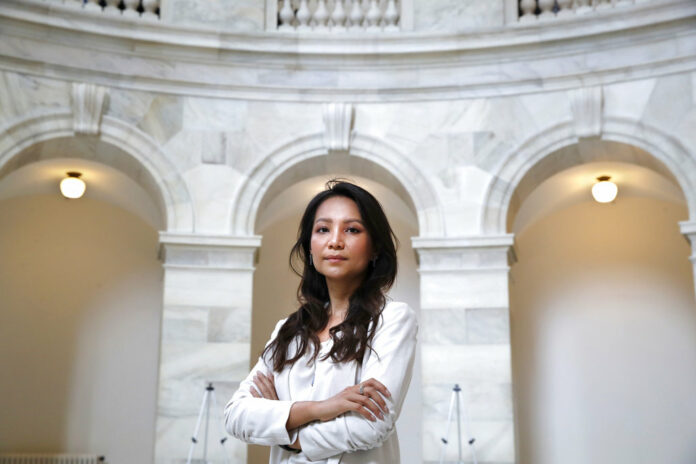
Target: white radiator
51 458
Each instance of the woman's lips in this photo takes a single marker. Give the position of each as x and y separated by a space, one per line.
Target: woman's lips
335 259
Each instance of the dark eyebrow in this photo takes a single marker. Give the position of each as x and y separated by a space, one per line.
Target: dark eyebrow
345 222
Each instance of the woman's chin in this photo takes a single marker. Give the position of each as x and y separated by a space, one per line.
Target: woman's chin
341 275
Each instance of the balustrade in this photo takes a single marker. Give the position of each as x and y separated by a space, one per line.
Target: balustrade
531 10
144 8
343 15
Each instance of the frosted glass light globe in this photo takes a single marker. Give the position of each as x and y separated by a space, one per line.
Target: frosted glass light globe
72 186
604 191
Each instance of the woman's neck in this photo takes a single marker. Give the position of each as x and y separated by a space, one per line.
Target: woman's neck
339 297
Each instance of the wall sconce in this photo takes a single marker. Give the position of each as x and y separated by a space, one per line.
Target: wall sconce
604 191
72 186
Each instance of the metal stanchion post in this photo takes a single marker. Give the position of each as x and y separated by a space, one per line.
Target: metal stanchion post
454 400
208 399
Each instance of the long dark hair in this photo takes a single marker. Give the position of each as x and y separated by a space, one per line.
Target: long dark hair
366 303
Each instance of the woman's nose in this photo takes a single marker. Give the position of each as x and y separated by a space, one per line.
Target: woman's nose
336 239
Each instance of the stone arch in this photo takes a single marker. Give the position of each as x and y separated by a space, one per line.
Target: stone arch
503 198
418 192
148 165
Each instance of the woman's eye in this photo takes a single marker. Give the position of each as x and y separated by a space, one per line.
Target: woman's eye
322 229
353 230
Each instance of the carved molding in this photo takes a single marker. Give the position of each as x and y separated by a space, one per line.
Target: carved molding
565 54
688 230
339 119
208 252
586 106
88 106
483 253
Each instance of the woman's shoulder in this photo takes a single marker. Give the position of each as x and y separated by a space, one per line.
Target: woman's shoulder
398 306
399 311
276 329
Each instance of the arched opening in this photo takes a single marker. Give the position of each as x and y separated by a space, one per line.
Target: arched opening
602 311
81 289
275 285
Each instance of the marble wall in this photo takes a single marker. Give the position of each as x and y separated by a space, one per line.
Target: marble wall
212 121
228 15
250 15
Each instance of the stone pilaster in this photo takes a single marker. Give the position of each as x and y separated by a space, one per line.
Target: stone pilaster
465 340
205 338
688 229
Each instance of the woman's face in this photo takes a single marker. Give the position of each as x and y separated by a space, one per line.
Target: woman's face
341 247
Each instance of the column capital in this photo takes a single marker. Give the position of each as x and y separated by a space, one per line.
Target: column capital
688 230
467 253
208 252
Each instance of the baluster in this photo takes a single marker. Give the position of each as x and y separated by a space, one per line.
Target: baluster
321 15
286 15
150 8
112 6
93 5
303 14
528 7
356 14
391 15
565 8
546 7
582 6
373 15
131 8
338 16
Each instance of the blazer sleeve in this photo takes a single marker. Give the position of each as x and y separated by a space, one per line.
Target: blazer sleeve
259 421
395 343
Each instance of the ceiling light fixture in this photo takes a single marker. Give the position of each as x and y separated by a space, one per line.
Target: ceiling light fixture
72 186
604 191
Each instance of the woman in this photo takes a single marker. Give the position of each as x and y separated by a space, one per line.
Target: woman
330 383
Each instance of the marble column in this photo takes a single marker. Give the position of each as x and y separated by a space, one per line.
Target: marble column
465 340
205 338
688 229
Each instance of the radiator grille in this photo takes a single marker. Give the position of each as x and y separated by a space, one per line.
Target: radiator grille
51 459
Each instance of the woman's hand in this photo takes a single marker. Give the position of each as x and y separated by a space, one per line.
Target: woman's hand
265 386
350 399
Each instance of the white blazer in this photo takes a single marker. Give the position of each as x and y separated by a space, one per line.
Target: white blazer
349 438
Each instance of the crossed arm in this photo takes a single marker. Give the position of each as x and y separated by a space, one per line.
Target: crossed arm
368 404
343 422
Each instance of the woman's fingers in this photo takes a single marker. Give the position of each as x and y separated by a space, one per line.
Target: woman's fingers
271 387
254 393
374 396
362 410
266 386
379 386
368 404
260 387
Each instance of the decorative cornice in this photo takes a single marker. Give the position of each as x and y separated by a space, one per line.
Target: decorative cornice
210 241
472 241
559 54
478 253
196 252
70 18
688 229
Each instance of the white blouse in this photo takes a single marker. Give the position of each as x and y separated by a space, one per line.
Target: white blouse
349 438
